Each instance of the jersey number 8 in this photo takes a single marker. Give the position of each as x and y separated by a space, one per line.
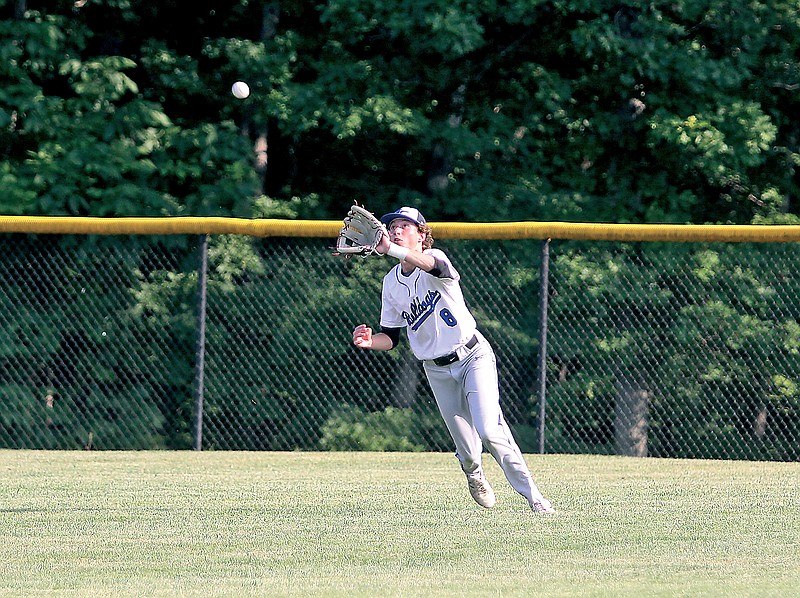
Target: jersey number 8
448 317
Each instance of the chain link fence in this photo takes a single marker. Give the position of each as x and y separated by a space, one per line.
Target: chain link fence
652 349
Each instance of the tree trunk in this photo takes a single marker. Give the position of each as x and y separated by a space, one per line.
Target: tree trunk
441 164
403 392
270 16
631 417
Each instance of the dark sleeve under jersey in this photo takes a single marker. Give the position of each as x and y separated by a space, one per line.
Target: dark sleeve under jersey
441 269
393 334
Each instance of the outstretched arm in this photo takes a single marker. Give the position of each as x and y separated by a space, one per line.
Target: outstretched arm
415 258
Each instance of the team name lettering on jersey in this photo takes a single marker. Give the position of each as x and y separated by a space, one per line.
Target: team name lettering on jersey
420 309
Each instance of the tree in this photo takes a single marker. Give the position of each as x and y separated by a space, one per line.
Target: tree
561 110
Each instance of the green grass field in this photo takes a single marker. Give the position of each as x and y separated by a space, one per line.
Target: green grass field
393 524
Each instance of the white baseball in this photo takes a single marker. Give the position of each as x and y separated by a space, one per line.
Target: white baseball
240 89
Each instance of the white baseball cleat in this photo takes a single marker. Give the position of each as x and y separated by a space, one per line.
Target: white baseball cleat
481 491
542 507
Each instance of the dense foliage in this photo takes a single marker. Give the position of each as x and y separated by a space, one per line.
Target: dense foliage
680 111
474 111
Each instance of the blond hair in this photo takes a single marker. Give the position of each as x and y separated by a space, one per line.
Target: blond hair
427 242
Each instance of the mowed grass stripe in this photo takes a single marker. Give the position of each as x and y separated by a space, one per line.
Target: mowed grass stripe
391 524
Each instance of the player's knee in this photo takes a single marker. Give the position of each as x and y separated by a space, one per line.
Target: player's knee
494 439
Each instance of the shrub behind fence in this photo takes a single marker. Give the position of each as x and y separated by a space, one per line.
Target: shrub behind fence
660 349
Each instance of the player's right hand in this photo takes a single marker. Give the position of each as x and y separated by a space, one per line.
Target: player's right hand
362 336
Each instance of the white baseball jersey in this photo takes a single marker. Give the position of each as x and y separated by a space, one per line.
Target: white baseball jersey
431 309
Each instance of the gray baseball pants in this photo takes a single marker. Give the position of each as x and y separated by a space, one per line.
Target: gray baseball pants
468 398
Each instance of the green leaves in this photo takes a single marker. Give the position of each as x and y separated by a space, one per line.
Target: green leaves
567 110
101 79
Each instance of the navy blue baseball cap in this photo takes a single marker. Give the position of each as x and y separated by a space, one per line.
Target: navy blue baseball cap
412 214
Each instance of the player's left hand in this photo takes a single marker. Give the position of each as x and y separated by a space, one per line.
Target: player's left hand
361 234
383 245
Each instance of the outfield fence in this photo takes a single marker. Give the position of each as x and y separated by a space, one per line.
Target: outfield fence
226 334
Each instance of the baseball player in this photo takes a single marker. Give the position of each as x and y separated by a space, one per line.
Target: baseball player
422 294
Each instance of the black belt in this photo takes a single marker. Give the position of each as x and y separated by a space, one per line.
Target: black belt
453 357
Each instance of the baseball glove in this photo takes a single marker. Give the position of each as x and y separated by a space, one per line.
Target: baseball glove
361 233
